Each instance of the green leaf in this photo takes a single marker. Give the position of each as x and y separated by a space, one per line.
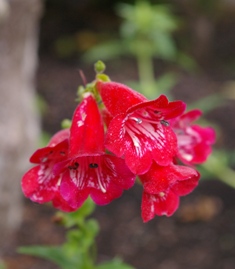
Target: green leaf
54 254
164 46
106 51
114 264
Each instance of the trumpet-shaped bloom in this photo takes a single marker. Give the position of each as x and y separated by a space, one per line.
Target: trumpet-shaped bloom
194 141
40 184
139 130
163 185
88 170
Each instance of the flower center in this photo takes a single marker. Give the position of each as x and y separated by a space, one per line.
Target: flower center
93 165
144 124
87 172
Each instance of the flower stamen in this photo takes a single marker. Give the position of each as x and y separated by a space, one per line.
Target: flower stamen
93 165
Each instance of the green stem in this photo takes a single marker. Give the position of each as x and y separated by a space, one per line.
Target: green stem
146 74
220 170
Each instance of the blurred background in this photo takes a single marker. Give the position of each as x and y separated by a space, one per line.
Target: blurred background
184 49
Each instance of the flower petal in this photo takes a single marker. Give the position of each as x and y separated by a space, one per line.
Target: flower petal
106 116
140 143
167 205
162 108
59 137
165 146
37 187
154 205
190 116
163 186
59 203
159 179
117 97
29 181
55 153
116 169
147 207
103 177
116 136
118 141
188 181
112 178
194 141
113 191
71 193
87 132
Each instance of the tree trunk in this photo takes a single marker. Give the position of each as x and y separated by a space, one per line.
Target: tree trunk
19 120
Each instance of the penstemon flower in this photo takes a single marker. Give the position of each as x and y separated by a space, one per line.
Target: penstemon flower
163 185
139 130
40 184
117 134
194 141
88 170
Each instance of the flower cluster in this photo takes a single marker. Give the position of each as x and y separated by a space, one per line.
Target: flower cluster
116 136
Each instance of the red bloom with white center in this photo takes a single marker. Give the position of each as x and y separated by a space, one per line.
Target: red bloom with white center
139 129
88 170
194 141
163 185
40 183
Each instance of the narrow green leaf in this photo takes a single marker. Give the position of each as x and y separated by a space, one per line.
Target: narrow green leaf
51 253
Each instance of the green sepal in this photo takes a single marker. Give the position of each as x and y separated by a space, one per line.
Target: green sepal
103 77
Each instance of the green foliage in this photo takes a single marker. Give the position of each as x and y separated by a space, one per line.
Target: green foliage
54 254
219 166
78 251
146 33
165 82
106 51
146 29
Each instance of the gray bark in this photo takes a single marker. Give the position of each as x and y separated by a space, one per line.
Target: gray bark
19 120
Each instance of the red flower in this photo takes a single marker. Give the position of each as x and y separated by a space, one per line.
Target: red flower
40 183
163 185
139 130
194 141
88 170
